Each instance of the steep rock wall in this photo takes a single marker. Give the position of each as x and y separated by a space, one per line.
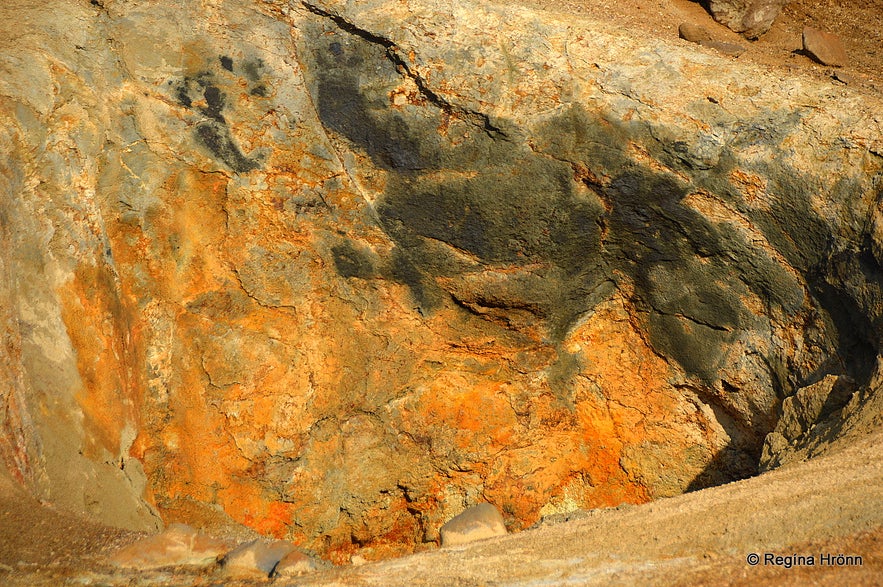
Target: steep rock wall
335 270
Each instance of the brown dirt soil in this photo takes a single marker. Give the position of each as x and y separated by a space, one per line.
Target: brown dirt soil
833 504
859 24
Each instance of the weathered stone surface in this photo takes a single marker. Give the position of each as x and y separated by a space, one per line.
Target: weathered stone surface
179 544
297 265
257 558
824 47
752 18
475 523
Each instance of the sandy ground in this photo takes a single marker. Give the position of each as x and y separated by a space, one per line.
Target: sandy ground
832 505
38 542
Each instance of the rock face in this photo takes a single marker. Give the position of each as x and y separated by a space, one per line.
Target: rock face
823 417
338 270
752 18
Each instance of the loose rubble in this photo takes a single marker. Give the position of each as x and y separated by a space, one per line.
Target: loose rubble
178 545
181 545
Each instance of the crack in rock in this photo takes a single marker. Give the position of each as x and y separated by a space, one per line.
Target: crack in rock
477 119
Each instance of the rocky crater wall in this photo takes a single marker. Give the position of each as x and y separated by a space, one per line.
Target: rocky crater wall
336 270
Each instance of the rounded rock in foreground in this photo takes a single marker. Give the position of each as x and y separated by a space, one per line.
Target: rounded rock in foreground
297 563
257 558
178 545
475 523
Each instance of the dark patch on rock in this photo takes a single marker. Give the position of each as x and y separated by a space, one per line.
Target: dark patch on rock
367 122
560 377
216 137
465 194
214 100
183 97
213 134
351 262
226 62
252 69
403 270
260 91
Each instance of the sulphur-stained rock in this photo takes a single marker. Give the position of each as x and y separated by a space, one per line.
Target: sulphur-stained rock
824 47
475 523
752 18
257 558
333 270
297 563
177 545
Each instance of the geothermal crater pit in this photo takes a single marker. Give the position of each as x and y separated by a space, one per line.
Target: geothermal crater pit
335 272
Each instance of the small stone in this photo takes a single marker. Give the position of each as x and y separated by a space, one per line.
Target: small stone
255 558
694 33
179 544
730 49
358 560
844 78
475 523
297 563
826 48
